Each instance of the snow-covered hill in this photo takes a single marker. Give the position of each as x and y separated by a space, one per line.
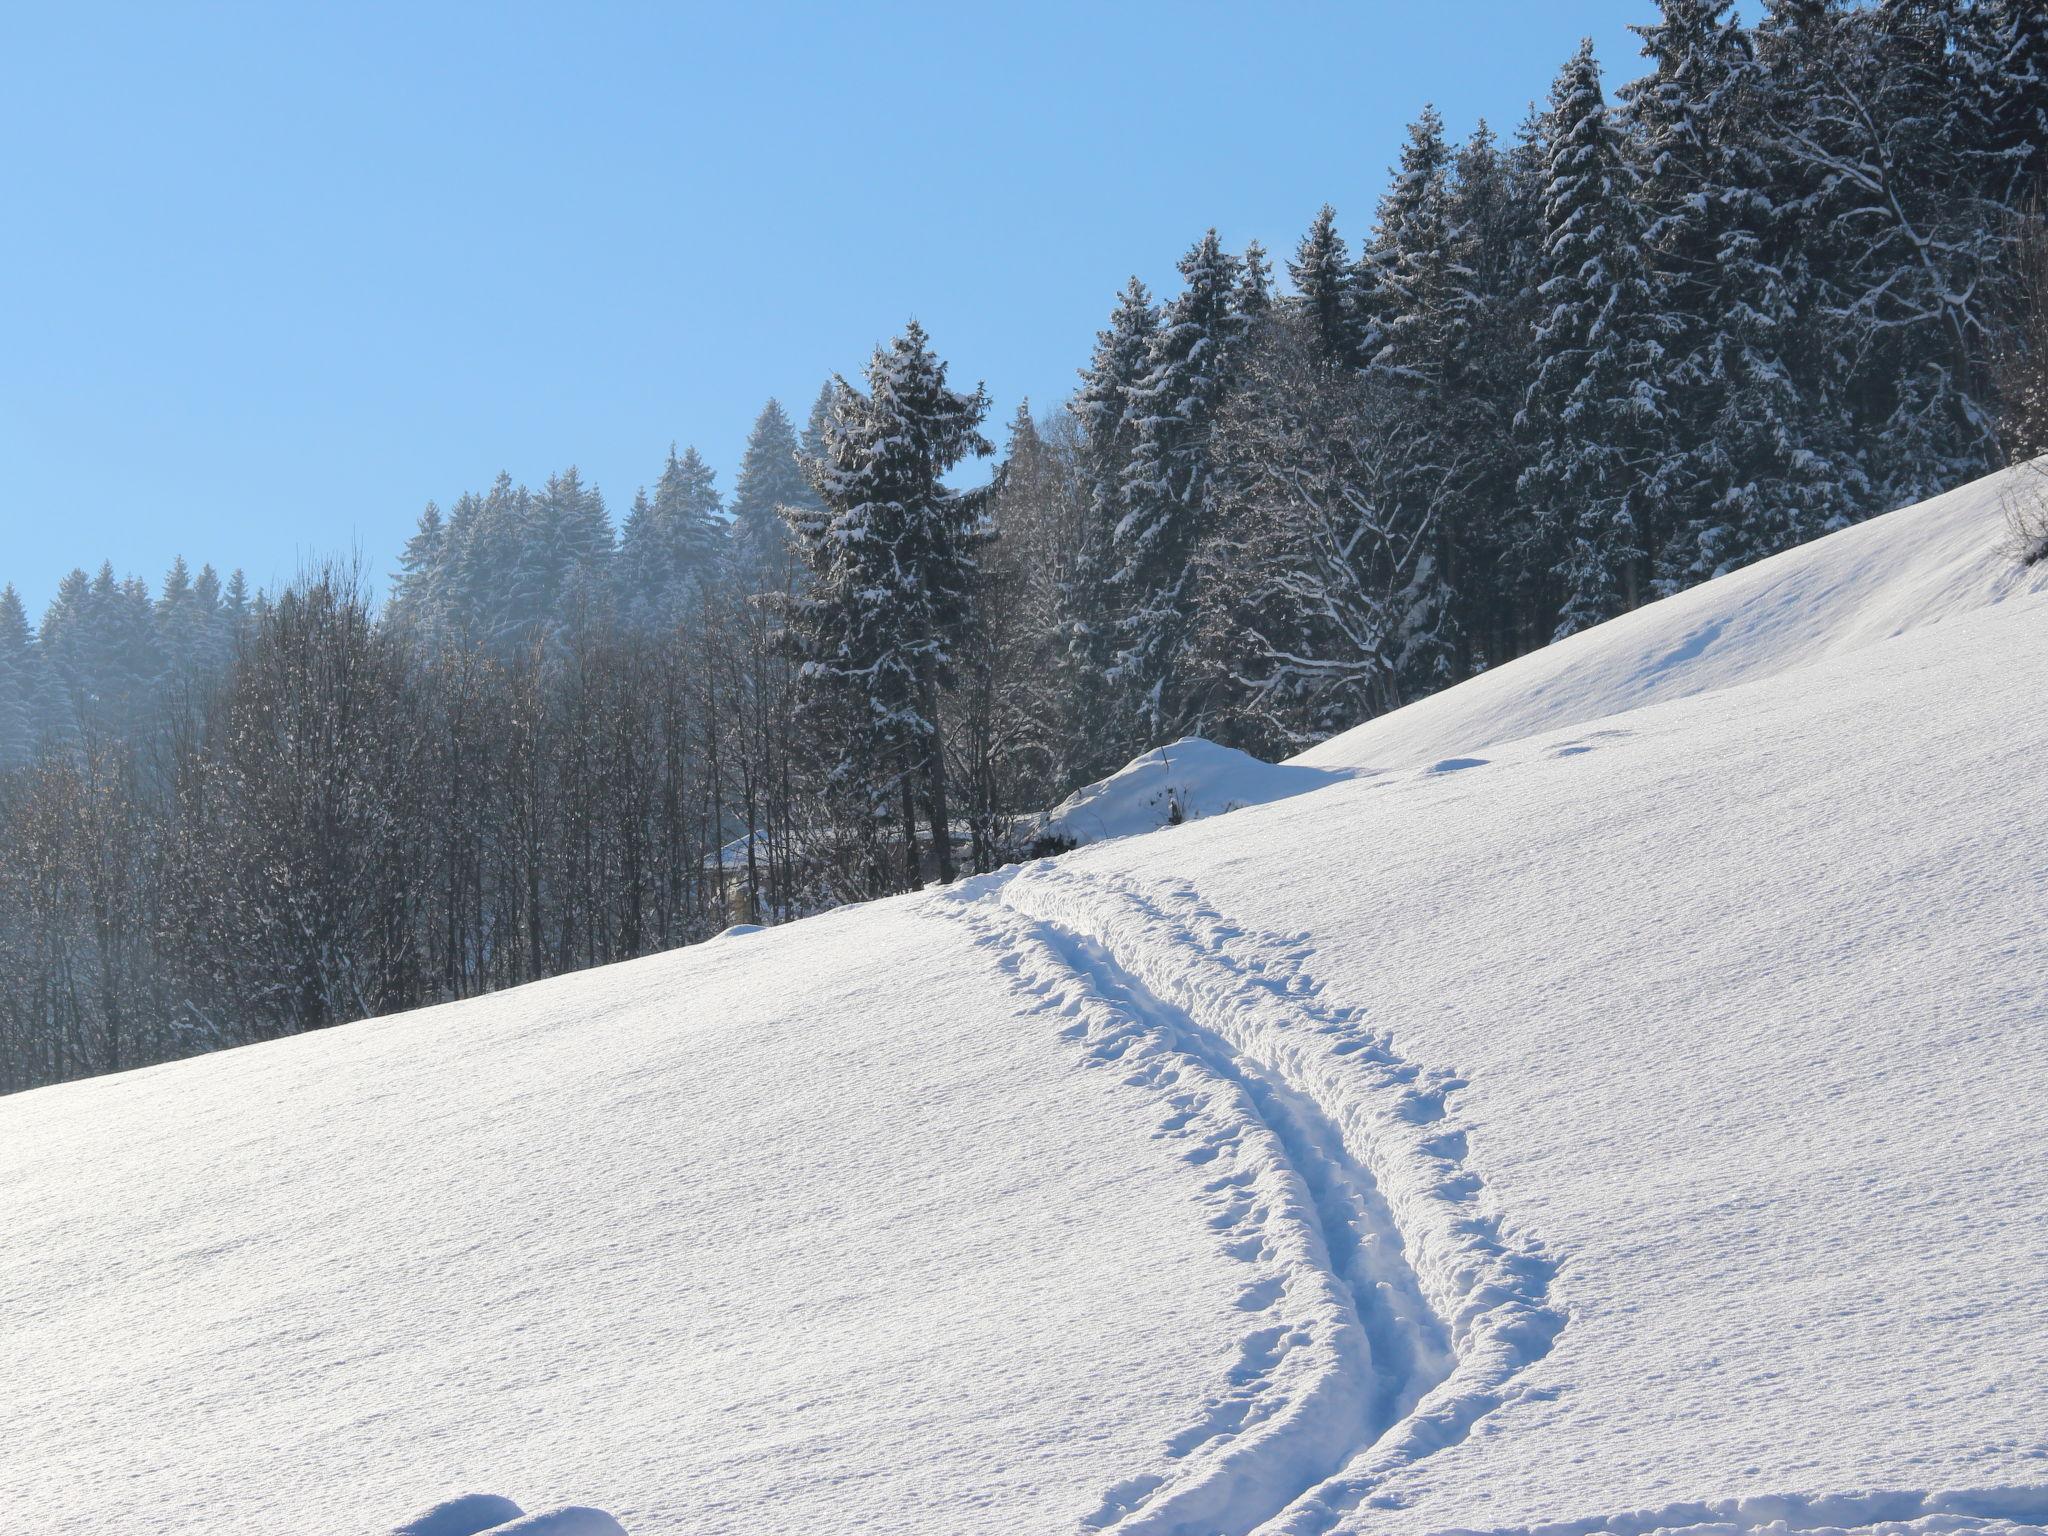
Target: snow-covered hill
1611 1098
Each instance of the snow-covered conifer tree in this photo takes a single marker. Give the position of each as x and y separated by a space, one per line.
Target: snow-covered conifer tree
417 587
17 682
769 479
890 554
673 545
1165 489
1321 272
1090 610
1594 415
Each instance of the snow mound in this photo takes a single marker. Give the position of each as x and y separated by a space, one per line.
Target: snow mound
467 1514
489 1514
569 1520
1187 781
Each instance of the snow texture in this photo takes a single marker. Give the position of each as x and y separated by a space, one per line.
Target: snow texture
1610 1101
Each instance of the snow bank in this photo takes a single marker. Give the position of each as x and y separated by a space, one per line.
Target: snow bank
488 1514
467 1514
1187 781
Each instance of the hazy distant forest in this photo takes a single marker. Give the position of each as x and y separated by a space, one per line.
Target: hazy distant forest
1790 278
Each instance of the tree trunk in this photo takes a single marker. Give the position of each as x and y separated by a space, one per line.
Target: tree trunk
935 785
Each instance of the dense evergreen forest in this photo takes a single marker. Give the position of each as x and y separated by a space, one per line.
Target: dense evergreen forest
1791 277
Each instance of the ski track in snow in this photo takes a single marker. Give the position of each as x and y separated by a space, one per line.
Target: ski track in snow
1393 1310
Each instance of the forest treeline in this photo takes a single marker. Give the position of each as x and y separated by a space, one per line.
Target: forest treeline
1789 278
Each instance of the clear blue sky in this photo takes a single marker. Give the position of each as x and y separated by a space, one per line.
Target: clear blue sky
275 275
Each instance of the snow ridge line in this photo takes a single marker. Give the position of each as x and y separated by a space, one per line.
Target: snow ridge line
1480 1286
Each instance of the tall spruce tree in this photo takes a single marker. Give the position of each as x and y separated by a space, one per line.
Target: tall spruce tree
1492 227
1595 415
1321 273
1089 601
1413 303
891 557
1165 489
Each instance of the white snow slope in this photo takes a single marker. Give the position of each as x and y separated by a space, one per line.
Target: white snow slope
1613 1101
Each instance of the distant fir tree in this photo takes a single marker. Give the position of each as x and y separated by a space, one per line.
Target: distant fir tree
770 479
418 586
100 641
1595 417
673 545
1016 741
18 682
1165 490
563 567
1409 257
184 625
812 443
891 558
216 645
234 611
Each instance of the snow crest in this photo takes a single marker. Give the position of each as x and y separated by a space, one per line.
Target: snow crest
1394 1309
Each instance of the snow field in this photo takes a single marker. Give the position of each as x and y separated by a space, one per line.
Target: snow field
1609 1102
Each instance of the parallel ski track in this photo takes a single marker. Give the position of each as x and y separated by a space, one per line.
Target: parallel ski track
1394 1311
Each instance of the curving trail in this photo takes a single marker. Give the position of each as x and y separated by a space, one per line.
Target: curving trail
1390 1309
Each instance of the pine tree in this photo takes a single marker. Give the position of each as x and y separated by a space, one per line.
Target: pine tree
1409 256
18 683
891 558
1594 416
1089 603
1414 293
562 565
181 623
673 545
234 611
417 589
1493 228
769 479
213 643
1165 489
1321 272
1254 297
1317 585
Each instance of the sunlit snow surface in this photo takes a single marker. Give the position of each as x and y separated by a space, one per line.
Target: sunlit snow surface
1619 1105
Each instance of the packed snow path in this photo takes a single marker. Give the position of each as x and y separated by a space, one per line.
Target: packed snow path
1328 1156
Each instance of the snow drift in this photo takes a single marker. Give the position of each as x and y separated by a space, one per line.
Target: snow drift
1167 786
1609 1100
